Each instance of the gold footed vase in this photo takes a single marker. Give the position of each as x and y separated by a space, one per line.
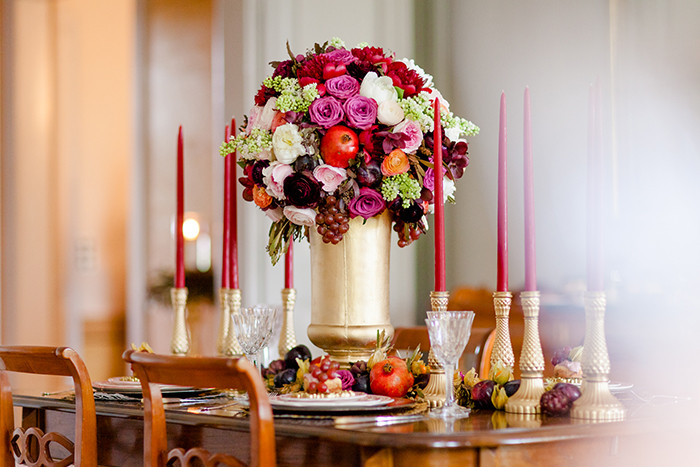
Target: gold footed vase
435 390
350 289
287 338
502 348
180 343
596 402
527 399
231 346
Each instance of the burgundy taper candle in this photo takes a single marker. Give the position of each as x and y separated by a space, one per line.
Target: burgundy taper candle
439 202
226 250
289 267
233 215
502 275
180 215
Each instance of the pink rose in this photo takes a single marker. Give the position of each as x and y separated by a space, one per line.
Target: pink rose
343 86
300 216
273 177
274 214
368 204
326 111
262 117
360 112
330 177
412 130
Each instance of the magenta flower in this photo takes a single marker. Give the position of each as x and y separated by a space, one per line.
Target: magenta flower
368 204
326 111
343 86
360 112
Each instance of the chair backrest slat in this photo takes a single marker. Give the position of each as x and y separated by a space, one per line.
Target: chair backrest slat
204 372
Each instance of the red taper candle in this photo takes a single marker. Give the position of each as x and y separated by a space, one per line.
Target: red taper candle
502 274
289 267
226 249
439 202
233 215
180 216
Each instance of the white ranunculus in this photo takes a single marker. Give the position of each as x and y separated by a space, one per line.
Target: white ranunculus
273 177
380 89
300 216
389 113
287 143
453 133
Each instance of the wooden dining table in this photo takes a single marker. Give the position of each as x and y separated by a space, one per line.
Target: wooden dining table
656 431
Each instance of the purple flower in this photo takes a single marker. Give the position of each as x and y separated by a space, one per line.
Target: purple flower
257 172
343 86
429 178
343 56
347 379
326 111
368 204
301 191
361 112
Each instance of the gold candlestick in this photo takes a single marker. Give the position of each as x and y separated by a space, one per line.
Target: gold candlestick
435 390
231 346
527 399
180 344
502 348
288 339
223 321
596 402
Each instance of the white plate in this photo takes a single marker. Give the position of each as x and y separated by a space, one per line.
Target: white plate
366 400
122 386
312 400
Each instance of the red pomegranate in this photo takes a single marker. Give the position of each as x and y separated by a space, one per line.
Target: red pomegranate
390 377
339 145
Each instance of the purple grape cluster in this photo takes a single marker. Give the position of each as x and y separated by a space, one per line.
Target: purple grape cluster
560 355
559 399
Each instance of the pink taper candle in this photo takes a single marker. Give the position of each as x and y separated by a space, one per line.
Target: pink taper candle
226 250
289 267
502 279
439 203
594 237
180 216
233 216
530 262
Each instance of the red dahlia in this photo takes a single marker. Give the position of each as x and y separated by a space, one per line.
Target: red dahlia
263 95
405 78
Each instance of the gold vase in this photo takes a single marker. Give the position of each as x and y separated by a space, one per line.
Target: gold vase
350 289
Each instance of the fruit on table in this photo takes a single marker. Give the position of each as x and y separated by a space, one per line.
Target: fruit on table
512 387
391 377
361 383
322 377
555 403
570 390
481 393
339 145
287 376
301 352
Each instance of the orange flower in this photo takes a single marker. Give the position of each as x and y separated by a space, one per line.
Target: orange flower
260 196
395 163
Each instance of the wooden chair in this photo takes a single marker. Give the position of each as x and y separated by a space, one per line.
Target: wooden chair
31 446
204 372
476 354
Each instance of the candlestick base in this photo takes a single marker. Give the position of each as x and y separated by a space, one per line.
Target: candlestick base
288 339
527 399
435 390
502 348
180 343
223 321
231 346
596 402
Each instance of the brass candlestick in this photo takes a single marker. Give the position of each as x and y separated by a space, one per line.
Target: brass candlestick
502 348
435 390
180 344
287 338
527 399
223 321
596 402
231 346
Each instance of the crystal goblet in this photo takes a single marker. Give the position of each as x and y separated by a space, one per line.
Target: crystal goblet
449 332
254 327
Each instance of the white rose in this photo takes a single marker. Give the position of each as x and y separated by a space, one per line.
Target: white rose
380 89
389 113
273 177
453 133
287 143
330 177
300 216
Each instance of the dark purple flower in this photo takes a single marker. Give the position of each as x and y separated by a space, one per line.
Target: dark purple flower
368 204
256 174
411 214
360 112
393 141
326 111
343 86
301 191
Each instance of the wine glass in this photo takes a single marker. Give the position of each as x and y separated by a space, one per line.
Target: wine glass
254 327
449 332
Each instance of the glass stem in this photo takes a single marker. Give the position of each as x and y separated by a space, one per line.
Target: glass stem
449 384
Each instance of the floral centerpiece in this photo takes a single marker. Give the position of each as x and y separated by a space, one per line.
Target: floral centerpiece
342 133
